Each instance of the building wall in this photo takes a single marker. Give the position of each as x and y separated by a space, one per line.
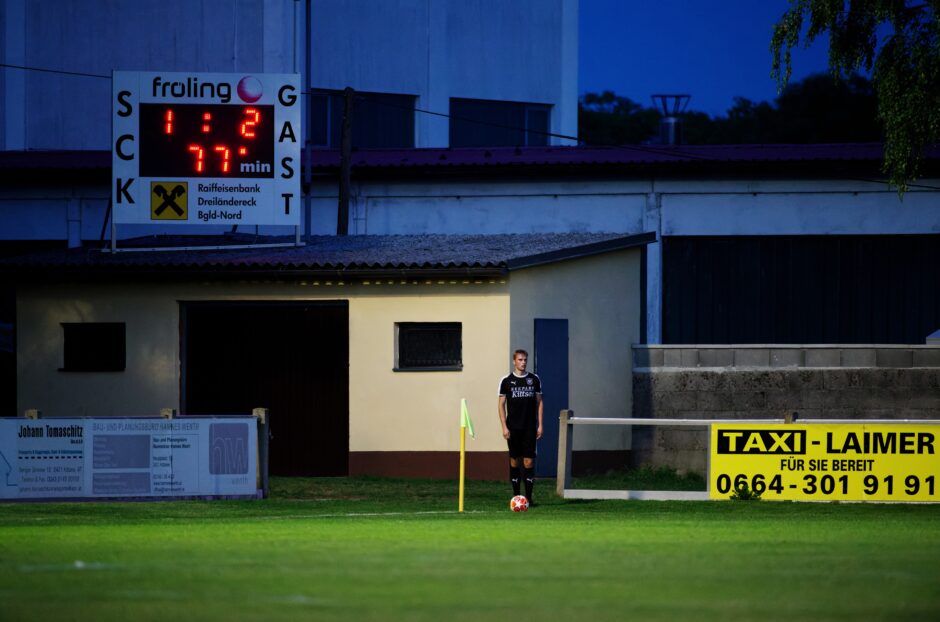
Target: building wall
45 110
691 206
600 297
771 382
667 207
523 51
389 411
419 411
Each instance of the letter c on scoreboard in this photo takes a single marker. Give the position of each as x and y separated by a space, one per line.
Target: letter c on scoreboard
119 143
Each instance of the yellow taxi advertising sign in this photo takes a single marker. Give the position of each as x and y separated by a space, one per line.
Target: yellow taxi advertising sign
822 462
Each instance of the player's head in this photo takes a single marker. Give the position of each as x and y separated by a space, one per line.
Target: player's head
520 359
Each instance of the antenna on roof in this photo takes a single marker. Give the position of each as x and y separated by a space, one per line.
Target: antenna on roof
673 107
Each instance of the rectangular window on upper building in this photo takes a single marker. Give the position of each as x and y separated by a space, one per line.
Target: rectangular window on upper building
428 346
379 120
94 346
491 123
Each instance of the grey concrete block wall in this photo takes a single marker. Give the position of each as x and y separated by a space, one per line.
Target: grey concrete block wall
770 382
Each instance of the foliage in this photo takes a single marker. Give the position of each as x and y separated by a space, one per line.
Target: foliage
743 493
899 42
608 119
816 109
646 478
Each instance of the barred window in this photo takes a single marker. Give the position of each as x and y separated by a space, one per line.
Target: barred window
428 346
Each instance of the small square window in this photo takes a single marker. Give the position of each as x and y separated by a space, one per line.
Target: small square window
94 346
428 346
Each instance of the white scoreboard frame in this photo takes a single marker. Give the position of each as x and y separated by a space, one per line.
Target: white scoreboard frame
259 201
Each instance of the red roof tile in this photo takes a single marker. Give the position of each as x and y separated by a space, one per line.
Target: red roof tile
647 156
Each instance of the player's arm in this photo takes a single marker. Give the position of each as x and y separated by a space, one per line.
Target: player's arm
501 410
538 433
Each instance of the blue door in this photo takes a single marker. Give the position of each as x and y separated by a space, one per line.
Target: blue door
551 365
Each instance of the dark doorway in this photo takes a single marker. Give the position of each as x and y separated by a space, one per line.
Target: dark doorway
292 358
551 365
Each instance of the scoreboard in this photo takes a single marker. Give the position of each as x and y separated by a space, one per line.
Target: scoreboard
208 148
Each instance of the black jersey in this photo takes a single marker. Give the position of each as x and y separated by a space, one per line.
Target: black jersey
522 406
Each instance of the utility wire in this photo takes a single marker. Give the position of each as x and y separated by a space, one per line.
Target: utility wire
60 71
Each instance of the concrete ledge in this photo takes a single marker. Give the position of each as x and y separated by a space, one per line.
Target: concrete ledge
648 495
776 356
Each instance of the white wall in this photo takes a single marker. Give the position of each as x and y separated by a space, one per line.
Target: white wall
56 111
600 298
524 50
673 207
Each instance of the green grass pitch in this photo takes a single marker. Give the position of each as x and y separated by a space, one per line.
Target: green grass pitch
374 549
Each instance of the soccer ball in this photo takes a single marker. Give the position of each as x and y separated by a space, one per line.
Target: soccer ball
518 504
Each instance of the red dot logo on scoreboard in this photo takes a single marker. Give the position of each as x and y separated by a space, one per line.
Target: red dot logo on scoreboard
250 89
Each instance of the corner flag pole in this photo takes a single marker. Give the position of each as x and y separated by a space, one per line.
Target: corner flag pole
463 459
465 424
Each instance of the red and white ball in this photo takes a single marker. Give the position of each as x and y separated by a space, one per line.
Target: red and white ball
519 504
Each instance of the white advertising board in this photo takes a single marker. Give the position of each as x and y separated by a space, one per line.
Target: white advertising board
205 148
128 457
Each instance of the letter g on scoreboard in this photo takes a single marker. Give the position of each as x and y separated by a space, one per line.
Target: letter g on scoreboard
761 442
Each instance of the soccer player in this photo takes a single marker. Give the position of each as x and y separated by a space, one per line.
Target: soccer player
520 413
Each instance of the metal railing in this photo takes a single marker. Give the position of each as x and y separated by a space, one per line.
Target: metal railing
565 441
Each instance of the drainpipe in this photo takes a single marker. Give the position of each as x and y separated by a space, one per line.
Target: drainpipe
342 215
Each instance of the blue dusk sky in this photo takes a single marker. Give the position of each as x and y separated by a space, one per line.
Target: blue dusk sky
712 50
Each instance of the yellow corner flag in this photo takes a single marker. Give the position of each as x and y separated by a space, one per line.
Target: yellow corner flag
465 420
466 423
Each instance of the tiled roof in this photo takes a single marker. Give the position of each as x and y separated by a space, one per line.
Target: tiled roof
645 157
54 160
607 156
358 255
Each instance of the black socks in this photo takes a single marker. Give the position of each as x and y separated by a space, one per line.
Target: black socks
529 482
514 479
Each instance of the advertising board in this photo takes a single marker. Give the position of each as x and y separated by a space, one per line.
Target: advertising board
823 462
115 457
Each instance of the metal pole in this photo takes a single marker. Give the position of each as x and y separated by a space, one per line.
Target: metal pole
563 477
463 448
342 215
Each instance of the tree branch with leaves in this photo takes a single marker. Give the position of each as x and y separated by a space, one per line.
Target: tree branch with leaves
898 42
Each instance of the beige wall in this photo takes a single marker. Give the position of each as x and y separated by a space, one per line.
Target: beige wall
389 411
600 297
419 411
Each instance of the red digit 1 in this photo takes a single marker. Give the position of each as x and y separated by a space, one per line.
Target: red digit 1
247 128
168 117
197 149
225 153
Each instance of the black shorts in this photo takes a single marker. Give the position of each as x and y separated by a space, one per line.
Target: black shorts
522 443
